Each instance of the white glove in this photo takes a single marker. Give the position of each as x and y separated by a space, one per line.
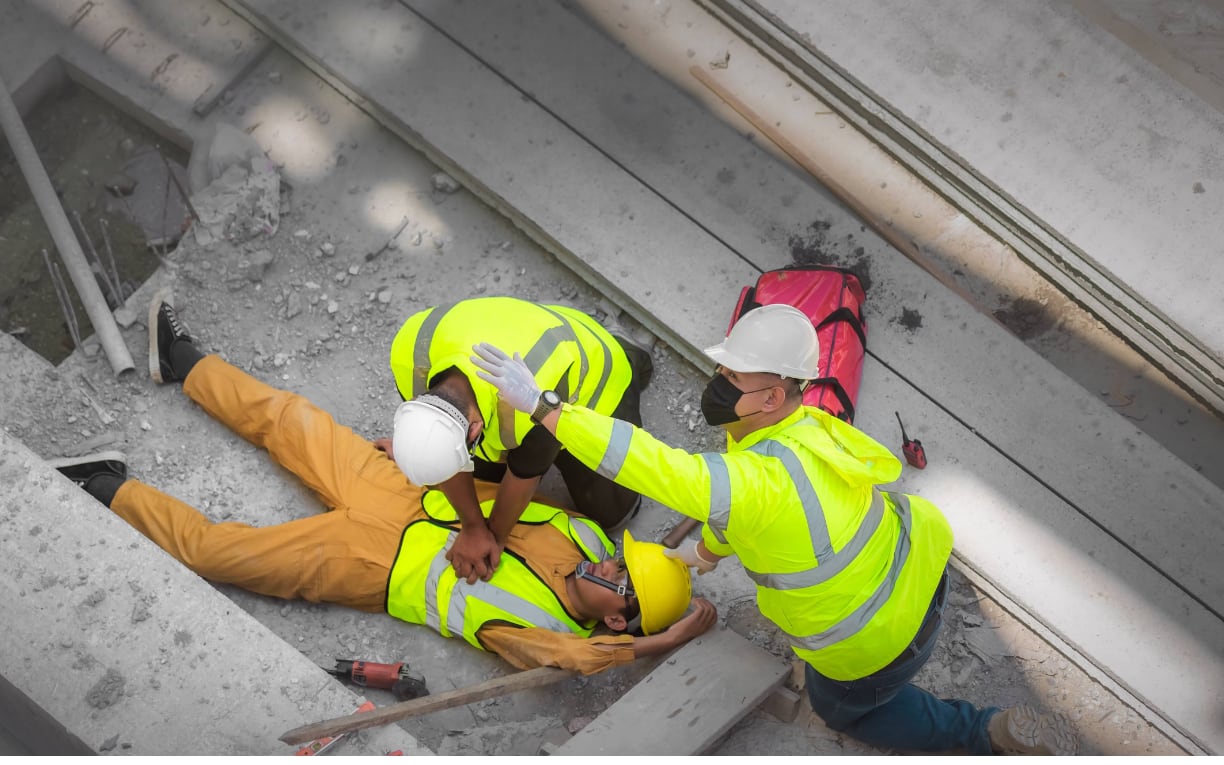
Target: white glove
515 383
691 555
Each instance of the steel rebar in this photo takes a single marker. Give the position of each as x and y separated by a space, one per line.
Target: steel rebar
61 232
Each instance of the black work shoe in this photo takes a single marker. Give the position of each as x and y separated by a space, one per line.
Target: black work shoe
165 329
80 470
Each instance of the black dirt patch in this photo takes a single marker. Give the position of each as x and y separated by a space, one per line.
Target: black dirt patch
1026 318
910 319
812 248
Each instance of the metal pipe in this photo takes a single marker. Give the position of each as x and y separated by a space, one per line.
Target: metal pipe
61 232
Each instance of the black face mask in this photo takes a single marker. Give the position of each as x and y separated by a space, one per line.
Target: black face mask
719 398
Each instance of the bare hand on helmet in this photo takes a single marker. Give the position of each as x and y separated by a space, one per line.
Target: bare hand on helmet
475 553
515 383
696 623
689 551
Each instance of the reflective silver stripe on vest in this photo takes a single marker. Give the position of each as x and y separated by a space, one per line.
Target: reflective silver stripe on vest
589 537
420 349
833 565
859 618
818 527
456 614
585 364
720 495
618 450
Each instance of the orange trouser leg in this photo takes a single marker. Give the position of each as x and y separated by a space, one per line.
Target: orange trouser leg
327 558
343 556
344 469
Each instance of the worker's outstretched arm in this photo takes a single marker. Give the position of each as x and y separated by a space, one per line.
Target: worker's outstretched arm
475 553
629 455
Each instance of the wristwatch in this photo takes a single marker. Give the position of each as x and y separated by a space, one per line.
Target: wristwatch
548 401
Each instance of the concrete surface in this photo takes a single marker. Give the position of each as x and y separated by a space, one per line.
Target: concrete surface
319 323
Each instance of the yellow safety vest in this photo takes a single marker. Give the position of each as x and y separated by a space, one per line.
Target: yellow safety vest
568 351
423 587
845 570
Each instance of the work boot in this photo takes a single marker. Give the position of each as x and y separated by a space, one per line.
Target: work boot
101 474
1024 730
171 353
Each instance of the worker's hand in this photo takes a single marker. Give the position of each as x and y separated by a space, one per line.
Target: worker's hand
384 446
515 383
696 623
475 553
690 553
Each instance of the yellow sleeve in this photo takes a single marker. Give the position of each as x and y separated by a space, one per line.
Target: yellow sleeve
637 460
530 647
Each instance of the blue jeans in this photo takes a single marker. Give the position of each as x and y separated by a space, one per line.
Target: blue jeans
887 711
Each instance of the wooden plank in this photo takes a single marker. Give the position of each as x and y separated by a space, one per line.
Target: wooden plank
687 703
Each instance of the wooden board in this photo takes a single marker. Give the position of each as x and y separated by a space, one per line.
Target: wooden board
687 703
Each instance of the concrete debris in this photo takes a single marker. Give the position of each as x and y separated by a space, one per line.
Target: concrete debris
444 184
107 690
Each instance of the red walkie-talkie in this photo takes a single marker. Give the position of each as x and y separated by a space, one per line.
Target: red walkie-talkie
913 451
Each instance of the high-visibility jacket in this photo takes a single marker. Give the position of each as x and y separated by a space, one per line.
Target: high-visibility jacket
423 587
845 570
568 351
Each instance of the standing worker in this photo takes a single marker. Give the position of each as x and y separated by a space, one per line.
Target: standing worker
452 428
380 545
854 576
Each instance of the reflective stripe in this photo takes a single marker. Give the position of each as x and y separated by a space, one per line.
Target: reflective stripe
859 618
835 564
456 613
588 537
437 567
618 450
606 373
571 335
420 349
720 494
818 527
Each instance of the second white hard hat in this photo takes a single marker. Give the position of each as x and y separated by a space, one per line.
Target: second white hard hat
430 440
771 338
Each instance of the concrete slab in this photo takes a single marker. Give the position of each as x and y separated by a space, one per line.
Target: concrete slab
1039 468
1106 147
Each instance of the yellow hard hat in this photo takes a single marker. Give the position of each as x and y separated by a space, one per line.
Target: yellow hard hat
662 584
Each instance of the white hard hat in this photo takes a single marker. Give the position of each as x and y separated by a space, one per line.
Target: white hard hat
772 338
430 440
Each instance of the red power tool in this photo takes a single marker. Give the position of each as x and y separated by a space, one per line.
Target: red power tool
397 678
913 451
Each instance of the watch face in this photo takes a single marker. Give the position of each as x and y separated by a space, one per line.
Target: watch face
551 398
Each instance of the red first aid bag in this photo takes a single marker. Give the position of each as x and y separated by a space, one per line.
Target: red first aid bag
832 298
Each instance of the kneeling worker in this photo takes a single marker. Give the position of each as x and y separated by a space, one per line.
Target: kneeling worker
382 546
457 430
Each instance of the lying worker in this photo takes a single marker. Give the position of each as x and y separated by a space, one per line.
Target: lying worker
854 576
382 545
457 430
